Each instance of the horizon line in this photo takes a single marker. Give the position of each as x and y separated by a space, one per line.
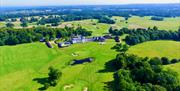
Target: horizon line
89 4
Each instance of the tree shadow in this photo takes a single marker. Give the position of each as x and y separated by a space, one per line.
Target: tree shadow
41 81
110 66
111 85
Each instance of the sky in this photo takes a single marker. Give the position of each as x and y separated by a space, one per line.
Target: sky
78 2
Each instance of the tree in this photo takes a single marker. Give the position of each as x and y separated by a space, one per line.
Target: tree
11 25
167 79
33 19
55 24
125 48
155 28
24 24
143 74
106 19
126 18
1 43
174 61
136 74
157 18
54 75
124 81
158 88
13 19
120 61
11 40
165 60
23 19
121 47
155 61
111 30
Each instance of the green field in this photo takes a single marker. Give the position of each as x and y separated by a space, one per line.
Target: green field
98 29
101 28
22 63
170 49
145 22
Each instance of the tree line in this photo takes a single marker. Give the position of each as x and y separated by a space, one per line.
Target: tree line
11 36
55 20
157 18
135 73
89 11
136 36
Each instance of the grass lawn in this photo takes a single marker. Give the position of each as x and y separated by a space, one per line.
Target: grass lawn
175 67
22 63
2 24
162 48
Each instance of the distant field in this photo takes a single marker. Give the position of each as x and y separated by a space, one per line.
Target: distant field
145 22
22 63
91 25
169 49
2 24
101 28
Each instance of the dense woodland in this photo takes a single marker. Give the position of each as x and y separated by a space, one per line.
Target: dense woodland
136 36
133 73
11 36
143 74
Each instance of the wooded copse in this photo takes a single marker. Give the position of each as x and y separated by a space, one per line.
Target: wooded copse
135 73
136 36
11 36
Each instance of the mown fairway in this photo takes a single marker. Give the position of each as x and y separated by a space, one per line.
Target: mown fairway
22 63
170 49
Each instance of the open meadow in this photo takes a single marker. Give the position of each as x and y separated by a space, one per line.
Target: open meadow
145 22
101 28
164 48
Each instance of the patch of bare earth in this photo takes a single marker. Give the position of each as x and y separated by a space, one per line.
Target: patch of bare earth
68 86
85 89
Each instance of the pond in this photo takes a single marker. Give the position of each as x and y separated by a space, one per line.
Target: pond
81 61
